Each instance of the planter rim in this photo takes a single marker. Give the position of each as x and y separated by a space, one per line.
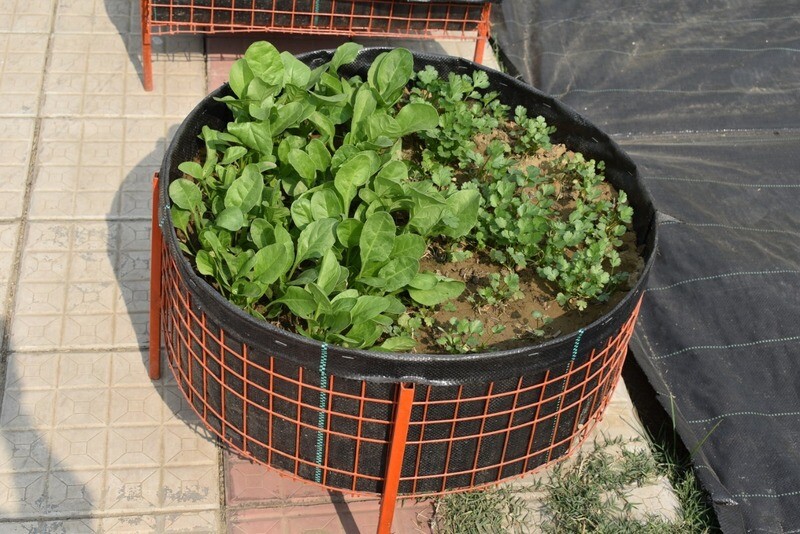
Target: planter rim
349 362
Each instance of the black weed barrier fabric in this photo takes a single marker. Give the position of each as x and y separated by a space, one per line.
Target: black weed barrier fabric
705 97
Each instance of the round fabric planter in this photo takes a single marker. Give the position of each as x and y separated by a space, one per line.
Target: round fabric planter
326 414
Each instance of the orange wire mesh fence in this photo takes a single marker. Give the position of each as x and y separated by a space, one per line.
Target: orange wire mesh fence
459 19
336 431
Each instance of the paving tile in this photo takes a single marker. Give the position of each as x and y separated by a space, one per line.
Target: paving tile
81 407
130 524
16 136
330 518
70 526
94 17
23 495
188 444
135 446
197 522
132 489
188 487
26 16
79 448
26 410
249 483
108 176
21 527
22 59
26 450
78 289
31 372
137 405
75 491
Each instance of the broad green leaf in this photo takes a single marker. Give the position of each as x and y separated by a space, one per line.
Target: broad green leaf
240 77
301 211
396 306
291 115
344 55
231 219
424 281
186 195
303 165
325 203
425 217
232 154
342 155
366 334
245 192
319 154
295 72
387 181
255 135
323 303
427 208
331 82
282 236
205 265
288 143
372 281
398 344
261 233
444 290
377 239
248 290
380 125
346 295
270 263
336 322
324 124
265 62
353 174
411 245
328 272
337 98
389 74
364 106
315 239
398 273
299 301
416 117
367 307
349 232
463 206
180 218
192 168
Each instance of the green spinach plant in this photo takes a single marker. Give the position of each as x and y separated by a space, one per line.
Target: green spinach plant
304 204
308 210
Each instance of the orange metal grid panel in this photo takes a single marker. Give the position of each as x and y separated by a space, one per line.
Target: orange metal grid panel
351 18
397 18
459 437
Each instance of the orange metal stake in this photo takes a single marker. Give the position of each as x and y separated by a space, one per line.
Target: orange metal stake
147 46
394 466
483 34
155 289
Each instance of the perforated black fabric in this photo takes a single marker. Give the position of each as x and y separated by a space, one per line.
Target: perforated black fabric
704 95
572 129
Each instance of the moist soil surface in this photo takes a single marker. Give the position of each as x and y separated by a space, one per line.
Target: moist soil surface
517 315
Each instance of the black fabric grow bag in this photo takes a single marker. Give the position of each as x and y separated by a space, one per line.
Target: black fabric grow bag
295 404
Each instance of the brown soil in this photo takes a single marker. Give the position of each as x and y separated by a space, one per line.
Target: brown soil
516 315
